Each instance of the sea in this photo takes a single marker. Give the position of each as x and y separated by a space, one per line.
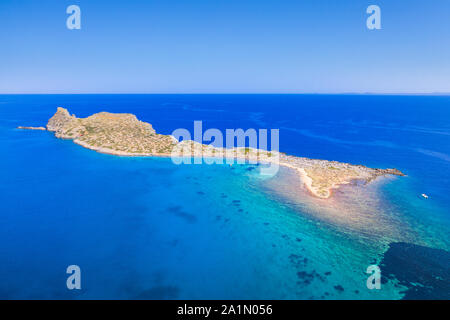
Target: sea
146 228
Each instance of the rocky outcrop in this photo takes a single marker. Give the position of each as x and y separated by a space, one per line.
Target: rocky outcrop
64 125
393 171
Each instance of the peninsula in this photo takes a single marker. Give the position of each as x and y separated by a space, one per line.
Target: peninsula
123 134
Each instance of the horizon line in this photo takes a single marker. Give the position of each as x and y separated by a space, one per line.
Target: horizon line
237 93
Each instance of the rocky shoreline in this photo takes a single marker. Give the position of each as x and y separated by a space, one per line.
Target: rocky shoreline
125 135
31 128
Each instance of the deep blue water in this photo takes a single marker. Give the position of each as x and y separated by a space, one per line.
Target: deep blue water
146 228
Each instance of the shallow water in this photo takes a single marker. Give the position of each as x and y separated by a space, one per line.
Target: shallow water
146 228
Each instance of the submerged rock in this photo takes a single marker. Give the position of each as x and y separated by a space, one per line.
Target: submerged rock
425 272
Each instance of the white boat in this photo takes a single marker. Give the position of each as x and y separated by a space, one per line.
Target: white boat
424 195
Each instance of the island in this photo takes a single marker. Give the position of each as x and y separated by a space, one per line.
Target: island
123 134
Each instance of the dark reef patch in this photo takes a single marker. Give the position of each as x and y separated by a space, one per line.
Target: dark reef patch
297 260
424 271
306 278
177 211
339 288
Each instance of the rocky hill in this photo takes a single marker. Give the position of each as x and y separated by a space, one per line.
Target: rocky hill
118 133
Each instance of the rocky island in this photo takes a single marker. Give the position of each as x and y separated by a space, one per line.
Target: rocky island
123 134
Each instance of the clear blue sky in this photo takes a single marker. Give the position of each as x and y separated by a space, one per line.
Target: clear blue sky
219 46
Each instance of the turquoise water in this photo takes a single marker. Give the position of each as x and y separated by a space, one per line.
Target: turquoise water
146 228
